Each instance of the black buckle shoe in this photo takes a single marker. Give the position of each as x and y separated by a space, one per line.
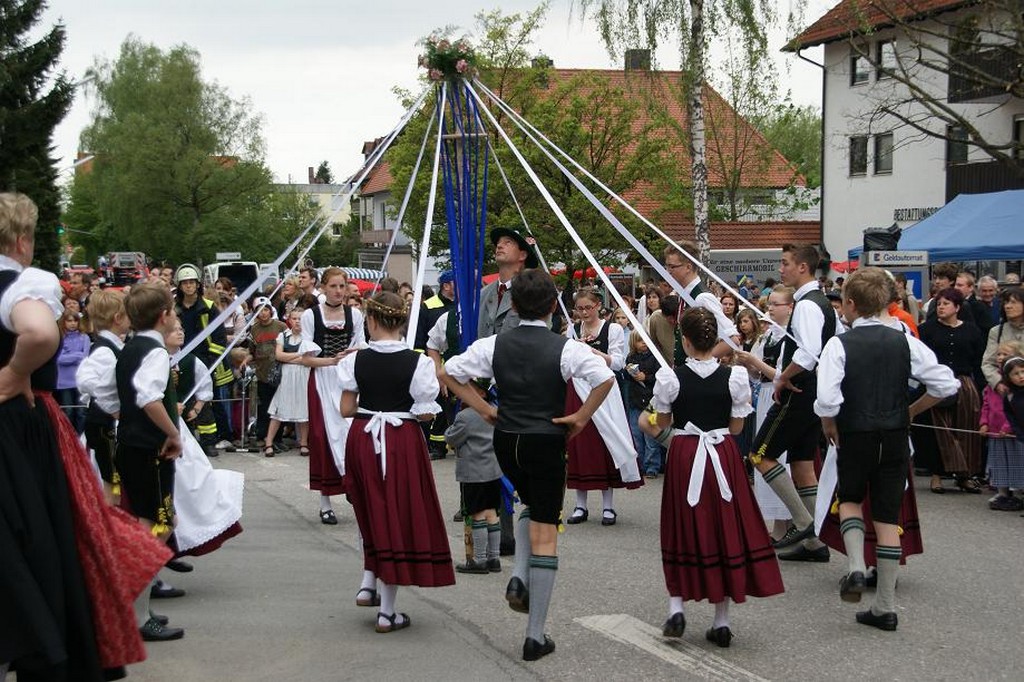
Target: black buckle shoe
819 555
575 518
852 586
793 536
722 636
162 591
472 567
886 621
494 565
517 596
534 650
675 626
179 566
154 631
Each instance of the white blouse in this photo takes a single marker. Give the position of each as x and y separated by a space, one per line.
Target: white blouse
423 388
32 283
95 376
666 386
150 379
616 343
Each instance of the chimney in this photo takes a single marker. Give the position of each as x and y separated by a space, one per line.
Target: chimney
638 60
312 179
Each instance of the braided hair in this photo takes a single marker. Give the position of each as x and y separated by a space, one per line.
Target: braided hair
700 328
388 310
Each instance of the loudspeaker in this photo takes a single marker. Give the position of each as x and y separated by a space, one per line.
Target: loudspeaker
882 238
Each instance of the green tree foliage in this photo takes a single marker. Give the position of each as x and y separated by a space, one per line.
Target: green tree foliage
796 133
33 100
341 248
596 122
178 168
324 174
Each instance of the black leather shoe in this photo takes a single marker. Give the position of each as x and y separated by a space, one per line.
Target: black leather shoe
161 591
801 553
609 520
153 631
471 566
886 621
722 636
533 650
793 536
517 596
458 518
852 586
179 566
675 626
575 518
163 620
494 565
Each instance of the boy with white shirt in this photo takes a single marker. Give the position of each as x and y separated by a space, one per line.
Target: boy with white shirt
863 405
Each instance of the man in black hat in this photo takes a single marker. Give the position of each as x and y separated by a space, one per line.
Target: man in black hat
512 252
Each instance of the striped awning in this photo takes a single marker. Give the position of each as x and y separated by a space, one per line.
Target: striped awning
365 273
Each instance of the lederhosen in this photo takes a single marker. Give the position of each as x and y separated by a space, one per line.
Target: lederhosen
147 480
791 425
99 426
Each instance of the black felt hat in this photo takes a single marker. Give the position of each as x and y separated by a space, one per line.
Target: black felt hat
530 249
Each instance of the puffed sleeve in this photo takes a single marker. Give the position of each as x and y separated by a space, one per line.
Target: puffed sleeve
616 346
666 390
347 373
475 363
424 388
358 330
150 380
739 388
34 284
306 322
437 337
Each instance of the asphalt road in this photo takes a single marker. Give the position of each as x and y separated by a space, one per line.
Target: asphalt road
278 603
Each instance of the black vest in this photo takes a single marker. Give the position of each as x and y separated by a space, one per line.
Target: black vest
45 377
527 369
600 342
384 379
183 378
136 429
875 380
680 354
331 341
94 415
290 347
770 353
705 402
808 380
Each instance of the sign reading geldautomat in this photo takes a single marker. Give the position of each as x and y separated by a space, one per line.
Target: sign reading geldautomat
897 259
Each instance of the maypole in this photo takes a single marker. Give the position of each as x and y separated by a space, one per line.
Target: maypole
464 160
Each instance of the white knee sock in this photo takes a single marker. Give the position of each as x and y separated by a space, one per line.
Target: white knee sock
369 581
581 499
325 503
675 605
607 502
722 614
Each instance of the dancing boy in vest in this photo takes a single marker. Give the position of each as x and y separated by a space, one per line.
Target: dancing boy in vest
684 272
148 438
863 405
791 425
95 379
531 366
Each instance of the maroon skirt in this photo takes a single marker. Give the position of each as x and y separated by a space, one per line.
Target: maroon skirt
716 549
404 537
590 465
215 543
910 525
323 473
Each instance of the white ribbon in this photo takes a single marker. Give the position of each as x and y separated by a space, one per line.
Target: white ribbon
706 442
827 481
377 427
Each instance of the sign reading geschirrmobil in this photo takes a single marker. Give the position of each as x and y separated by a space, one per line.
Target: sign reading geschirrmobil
897 259
758 264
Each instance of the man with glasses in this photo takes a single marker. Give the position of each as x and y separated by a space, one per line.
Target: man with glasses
684 271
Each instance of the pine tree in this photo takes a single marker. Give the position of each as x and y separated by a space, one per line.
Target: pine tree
33 100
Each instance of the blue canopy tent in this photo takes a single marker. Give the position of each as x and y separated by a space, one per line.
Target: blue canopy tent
971 227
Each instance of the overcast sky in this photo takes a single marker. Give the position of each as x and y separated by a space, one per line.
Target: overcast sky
321 72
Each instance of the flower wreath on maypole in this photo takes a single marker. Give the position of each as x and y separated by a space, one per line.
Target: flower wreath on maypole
464 162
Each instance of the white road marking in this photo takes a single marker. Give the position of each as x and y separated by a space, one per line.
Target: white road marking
678 652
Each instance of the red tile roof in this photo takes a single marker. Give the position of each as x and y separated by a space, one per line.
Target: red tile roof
747 235
379 179
854 17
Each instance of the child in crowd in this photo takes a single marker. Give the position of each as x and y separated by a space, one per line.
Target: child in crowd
74 347
95 380
1013 403
479 477
1005 452
289 403
714 544
641 366
148 438
386 388
863 401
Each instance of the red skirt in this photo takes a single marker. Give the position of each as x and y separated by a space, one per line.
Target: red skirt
716 549
323 473
119 556
405 541
910 523
215 543
590 465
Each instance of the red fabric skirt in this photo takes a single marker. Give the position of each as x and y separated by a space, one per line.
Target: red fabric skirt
404 537
716 549
589 465
910 522
214 544
323 474
119 557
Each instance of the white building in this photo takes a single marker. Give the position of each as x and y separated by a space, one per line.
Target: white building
879 168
